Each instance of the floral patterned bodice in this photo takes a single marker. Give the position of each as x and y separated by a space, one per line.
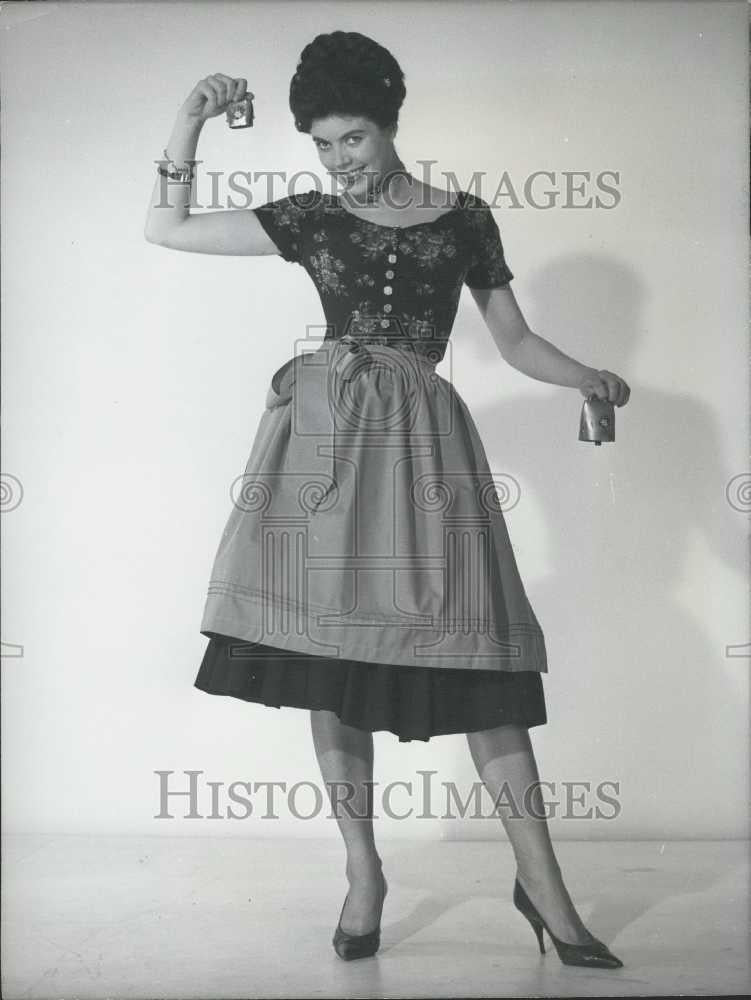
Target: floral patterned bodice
389 284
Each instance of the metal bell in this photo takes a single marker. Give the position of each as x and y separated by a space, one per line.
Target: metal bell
597 422
240 113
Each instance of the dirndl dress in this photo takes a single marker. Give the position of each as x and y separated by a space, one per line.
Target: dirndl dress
366 567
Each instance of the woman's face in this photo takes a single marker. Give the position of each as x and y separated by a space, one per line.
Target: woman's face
348 145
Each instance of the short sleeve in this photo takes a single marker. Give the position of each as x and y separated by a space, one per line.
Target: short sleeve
284 221
488 268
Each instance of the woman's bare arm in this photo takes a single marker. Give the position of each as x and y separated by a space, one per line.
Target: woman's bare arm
536 357
169 222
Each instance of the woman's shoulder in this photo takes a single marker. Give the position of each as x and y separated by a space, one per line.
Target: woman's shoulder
456 198
297 213
308 199
476 212
468 211
474 202
298 202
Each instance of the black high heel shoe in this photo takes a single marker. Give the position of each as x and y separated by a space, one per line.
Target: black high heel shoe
595 954
349 946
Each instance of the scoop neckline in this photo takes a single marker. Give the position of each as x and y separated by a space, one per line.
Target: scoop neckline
414 225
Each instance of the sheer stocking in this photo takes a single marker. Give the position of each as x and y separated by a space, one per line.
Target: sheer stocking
505 762
345 758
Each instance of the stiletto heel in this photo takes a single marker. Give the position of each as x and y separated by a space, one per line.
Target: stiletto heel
537 928
349 946
595 953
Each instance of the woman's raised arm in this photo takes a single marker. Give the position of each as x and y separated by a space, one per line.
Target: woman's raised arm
169 222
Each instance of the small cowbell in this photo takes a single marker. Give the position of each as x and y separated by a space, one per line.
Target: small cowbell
597 423
240 113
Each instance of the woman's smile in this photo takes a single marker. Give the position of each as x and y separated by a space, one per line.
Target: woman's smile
352 175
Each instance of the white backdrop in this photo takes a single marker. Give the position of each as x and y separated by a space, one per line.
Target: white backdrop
134 378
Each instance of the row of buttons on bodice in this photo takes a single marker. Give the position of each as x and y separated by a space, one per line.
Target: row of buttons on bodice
422 341
388 289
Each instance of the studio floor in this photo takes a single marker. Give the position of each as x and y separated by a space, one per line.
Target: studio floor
184 917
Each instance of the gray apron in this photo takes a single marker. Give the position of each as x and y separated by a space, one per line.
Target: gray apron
367 525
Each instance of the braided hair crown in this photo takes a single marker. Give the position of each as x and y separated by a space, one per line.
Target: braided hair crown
348 74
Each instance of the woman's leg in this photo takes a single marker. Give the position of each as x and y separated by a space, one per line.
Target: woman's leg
345 757
506 764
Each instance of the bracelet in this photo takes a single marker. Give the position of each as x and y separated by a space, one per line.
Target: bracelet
183 175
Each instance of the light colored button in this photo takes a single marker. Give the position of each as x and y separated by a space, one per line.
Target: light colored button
387 289
387 308
389 274
385 323
392 258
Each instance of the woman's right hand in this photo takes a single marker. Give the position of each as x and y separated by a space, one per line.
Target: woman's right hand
212 96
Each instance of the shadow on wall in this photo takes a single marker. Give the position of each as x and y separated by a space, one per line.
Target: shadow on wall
629 666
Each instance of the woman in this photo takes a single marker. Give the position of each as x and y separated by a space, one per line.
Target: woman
366 573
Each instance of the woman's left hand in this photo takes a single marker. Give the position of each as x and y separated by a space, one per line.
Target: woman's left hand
605 385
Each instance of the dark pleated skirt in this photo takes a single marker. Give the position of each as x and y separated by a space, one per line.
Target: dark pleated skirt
414 703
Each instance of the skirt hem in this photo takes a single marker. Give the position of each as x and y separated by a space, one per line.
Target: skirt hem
413 703
403 737
526 641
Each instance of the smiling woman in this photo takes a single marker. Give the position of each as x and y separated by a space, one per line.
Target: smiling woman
366 572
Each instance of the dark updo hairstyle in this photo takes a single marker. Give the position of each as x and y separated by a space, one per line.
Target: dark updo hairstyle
348 74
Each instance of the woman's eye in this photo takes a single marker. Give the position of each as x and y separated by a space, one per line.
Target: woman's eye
324 146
